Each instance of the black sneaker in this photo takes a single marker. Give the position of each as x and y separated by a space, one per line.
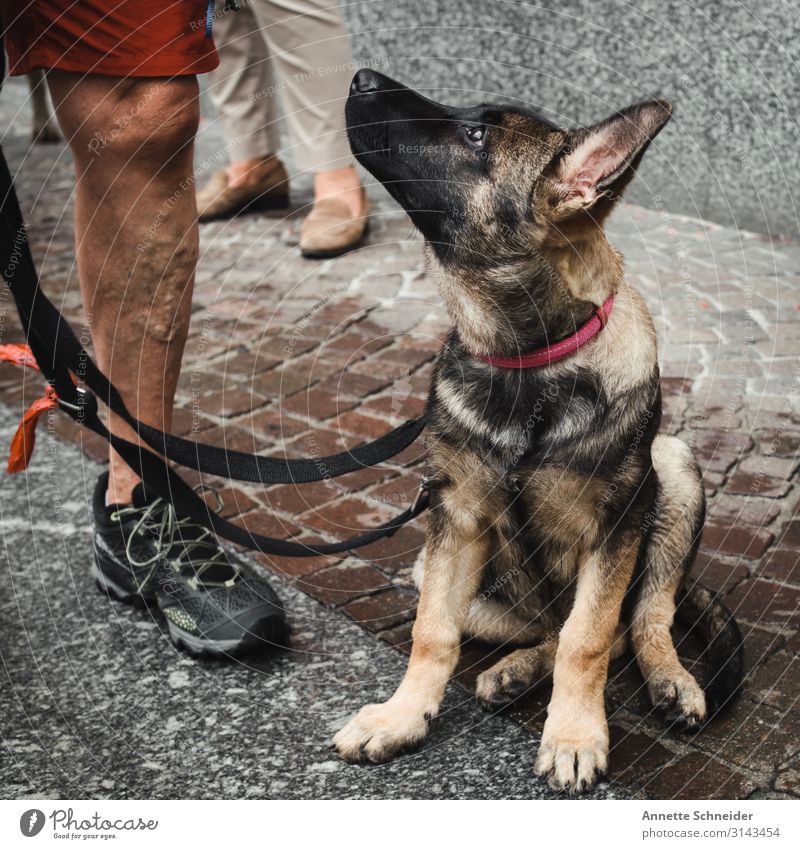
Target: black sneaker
145 554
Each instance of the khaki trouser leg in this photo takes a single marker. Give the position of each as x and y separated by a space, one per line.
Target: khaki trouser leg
309 53
243 88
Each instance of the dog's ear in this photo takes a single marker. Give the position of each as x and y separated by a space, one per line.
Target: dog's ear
599 161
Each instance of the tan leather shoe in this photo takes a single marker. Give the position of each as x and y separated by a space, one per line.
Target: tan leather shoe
218 199
330 229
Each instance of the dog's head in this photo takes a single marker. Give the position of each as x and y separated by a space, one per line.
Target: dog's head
494 187
457 170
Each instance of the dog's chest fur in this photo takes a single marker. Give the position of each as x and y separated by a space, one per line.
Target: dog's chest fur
552 456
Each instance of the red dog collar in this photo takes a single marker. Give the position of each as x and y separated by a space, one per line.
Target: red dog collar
552 353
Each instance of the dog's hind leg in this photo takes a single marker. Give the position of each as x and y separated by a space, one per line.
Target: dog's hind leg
680 512
526 669
494 622
489 620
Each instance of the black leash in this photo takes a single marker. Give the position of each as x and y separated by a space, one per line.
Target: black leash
60 355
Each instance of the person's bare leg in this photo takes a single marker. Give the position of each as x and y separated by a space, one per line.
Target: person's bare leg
136 234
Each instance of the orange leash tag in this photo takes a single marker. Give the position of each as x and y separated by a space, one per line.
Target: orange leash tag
24 440
19 355
19 454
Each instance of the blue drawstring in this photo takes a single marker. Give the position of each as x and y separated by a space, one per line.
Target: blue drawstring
209 17
230 6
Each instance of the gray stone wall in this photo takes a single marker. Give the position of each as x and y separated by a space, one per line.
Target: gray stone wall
731 68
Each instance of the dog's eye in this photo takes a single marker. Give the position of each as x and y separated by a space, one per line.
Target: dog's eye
476 135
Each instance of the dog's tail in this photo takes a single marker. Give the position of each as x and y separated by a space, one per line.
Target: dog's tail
701 611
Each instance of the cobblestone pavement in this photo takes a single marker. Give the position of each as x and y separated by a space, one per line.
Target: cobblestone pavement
302 358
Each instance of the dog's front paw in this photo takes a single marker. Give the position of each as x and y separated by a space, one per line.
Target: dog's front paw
379 732
573 753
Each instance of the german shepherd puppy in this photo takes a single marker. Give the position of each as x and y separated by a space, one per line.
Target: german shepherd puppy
560 519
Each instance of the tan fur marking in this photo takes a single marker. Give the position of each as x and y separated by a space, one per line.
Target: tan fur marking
564 503
467 307
585 261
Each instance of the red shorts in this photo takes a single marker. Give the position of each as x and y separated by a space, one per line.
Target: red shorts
116 38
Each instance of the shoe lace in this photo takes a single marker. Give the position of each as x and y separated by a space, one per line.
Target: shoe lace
199 545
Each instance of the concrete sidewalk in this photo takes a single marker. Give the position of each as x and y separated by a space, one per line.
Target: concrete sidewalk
292 357
95 702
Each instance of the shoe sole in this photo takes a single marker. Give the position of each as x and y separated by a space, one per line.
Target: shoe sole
277 203
118 593
249 642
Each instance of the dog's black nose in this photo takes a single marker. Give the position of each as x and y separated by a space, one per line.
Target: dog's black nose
364 82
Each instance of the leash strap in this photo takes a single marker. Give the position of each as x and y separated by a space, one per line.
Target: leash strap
59 355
